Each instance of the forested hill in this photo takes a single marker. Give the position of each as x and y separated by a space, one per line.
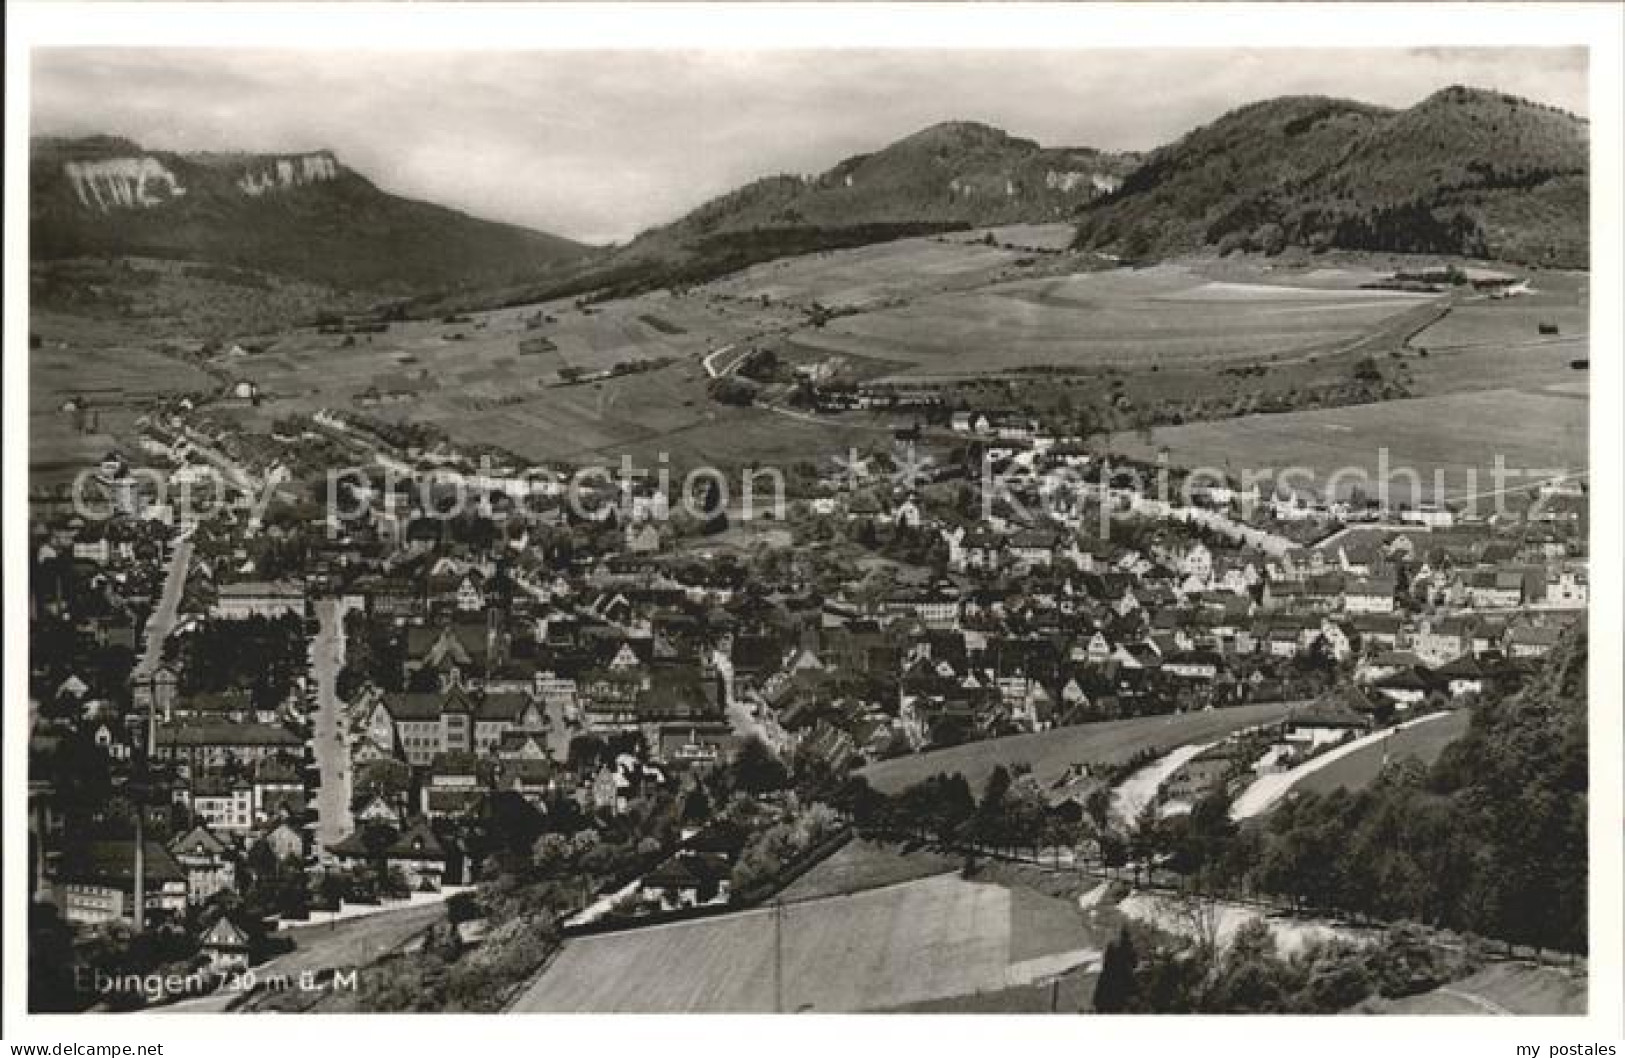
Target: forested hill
1465 171
1492 840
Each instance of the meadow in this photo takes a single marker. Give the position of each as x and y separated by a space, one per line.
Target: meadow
932 938
872 276
1050 753
1503 989
1166 317
1451 442
1360 769
1477 370
1207 336
113 381
1560 299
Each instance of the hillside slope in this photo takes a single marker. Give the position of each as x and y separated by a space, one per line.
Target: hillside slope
1464 171
953 175
957 172
950 176
305 216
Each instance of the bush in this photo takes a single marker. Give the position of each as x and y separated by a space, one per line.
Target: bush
509 956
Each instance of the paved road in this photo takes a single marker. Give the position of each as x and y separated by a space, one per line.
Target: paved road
333 819
162 621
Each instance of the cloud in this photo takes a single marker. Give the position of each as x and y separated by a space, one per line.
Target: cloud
600 145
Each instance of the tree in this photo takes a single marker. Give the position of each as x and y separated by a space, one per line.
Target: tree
1269 238
386 777
1249 979
756 770
1145 840
696 805
1116 990
1335 977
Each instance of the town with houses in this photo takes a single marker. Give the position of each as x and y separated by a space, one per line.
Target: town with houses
635 529
247 716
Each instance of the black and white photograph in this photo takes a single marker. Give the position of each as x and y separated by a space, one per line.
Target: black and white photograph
1001 527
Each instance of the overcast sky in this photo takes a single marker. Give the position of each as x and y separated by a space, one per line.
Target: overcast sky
599 145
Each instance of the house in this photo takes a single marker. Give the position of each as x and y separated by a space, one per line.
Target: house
1567 589
1202 665
1335 639
96 882
688 880
1495 589
1380 630
285 842
1441 640
1331 718
1462 676
1531 641
454 786
377 809
643 539
278 790
1370 596
470 594
223 804
1034 547
212 744
1197 563
1384 664
416 852
458 650
908 514
207 862
226 946
1403 689
253 598
1432 515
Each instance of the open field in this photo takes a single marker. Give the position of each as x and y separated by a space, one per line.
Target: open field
946 306
1050 753
1558 298
1043 237
1067 993
1270 788
1486 366
89 366
112 381
1505 989
1357 770
870 276
1443 439
1168 316
928 939
864 864
470 376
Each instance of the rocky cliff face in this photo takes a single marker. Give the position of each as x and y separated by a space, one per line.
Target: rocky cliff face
145 181
121 183
300 170
302 215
